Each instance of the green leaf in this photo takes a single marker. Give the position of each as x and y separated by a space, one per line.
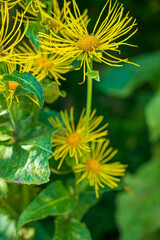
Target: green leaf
32 33
52 201
52 93
28 82
41 232
138 213
71 229
7 227
85 201
122 81
27 163
42 141
152 114
94 75
21 91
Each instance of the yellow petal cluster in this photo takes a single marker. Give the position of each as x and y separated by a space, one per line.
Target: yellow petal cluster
101 44
97 170
72 140
41 62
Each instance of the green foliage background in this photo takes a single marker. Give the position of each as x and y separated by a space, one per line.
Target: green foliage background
129 99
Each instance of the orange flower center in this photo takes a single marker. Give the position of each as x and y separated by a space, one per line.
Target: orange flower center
74 139
88 43
54 23
13 85
44 63
93 165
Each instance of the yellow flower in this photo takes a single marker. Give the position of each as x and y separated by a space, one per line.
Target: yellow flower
97 170
72 140
9 39
104 40
41 62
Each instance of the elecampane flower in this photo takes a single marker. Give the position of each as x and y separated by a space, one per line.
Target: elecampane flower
72 140
42 62
97 170
9 39
101 44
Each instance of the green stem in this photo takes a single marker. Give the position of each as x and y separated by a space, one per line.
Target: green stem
10 109
89 97
88 112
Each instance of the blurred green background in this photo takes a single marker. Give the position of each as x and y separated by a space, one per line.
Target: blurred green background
129 99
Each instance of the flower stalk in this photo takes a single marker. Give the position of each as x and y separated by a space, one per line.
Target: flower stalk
89 96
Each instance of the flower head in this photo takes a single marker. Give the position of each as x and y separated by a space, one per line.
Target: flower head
97 170
9 39
104 40
42 63
72 140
